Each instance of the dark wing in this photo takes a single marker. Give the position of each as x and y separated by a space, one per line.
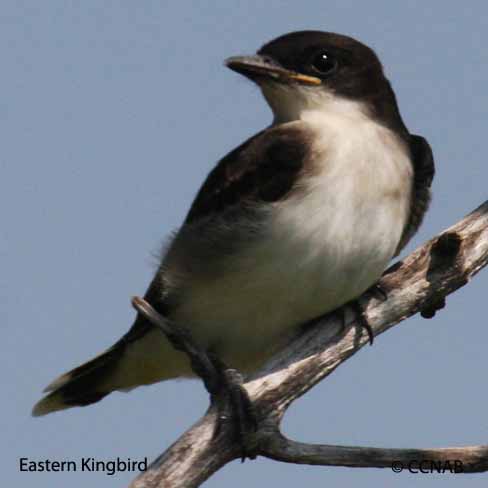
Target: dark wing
262 169
424 170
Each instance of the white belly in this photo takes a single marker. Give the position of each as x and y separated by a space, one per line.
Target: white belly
314 251
320 248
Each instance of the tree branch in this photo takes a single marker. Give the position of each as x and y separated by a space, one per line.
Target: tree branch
466 459
419 283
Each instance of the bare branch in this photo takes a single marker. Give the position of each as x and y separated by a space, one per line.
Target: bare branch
419 283
462 459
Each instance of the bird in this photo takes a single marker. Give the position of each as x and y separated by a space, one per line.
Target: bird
298 220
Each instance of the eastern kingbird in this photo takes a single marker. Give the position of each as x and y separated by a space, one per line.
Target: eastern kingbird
297 221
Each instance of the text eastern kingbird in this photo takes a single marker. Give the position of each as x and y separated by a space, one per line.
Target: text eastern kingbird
297 221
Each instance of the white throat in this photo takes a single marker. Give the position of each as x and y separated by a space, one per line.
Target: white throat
298 102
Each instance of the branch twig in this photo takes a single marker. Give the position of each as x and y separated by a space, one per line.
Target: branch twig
419 283
462 459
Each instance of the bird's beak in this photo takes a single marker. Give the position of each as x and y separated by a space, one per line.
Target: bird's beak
259 67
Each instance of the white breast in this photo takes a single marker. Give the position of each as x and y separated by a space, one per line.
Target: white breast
322 247
345 224
318 249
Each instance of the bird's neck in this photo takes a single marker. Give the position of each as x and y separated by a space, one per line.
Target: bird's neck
291 103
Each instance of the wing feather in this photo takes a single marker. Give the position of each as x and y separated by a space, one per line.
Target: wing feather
262 169
424 170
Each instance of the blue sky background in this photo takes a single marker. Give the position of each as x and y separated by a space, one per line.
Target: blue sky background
111 115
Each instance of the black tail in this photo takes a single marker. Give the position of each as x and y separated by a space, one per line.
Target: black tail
82 385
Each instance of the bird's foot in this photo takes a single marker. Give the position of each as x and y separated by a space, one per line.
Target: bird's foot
378 291
225 385
235 406
363 323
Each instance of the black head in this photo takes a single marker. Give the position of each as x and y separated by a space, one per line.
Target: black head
324 61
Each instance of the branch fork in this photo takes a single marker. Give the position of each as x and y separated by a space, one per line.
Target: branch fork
419 283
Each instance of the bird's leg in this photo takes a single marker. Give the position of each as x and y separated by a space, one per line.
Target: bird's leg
378 291
181 340
221 382
243 413
362 320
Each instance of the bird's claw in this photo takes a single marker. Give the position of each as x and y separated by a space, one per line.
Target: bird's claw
236 400
363 323
378 291
221 382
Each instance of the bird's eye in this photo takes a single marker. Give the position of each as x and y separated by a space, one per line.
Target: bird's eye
324 63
